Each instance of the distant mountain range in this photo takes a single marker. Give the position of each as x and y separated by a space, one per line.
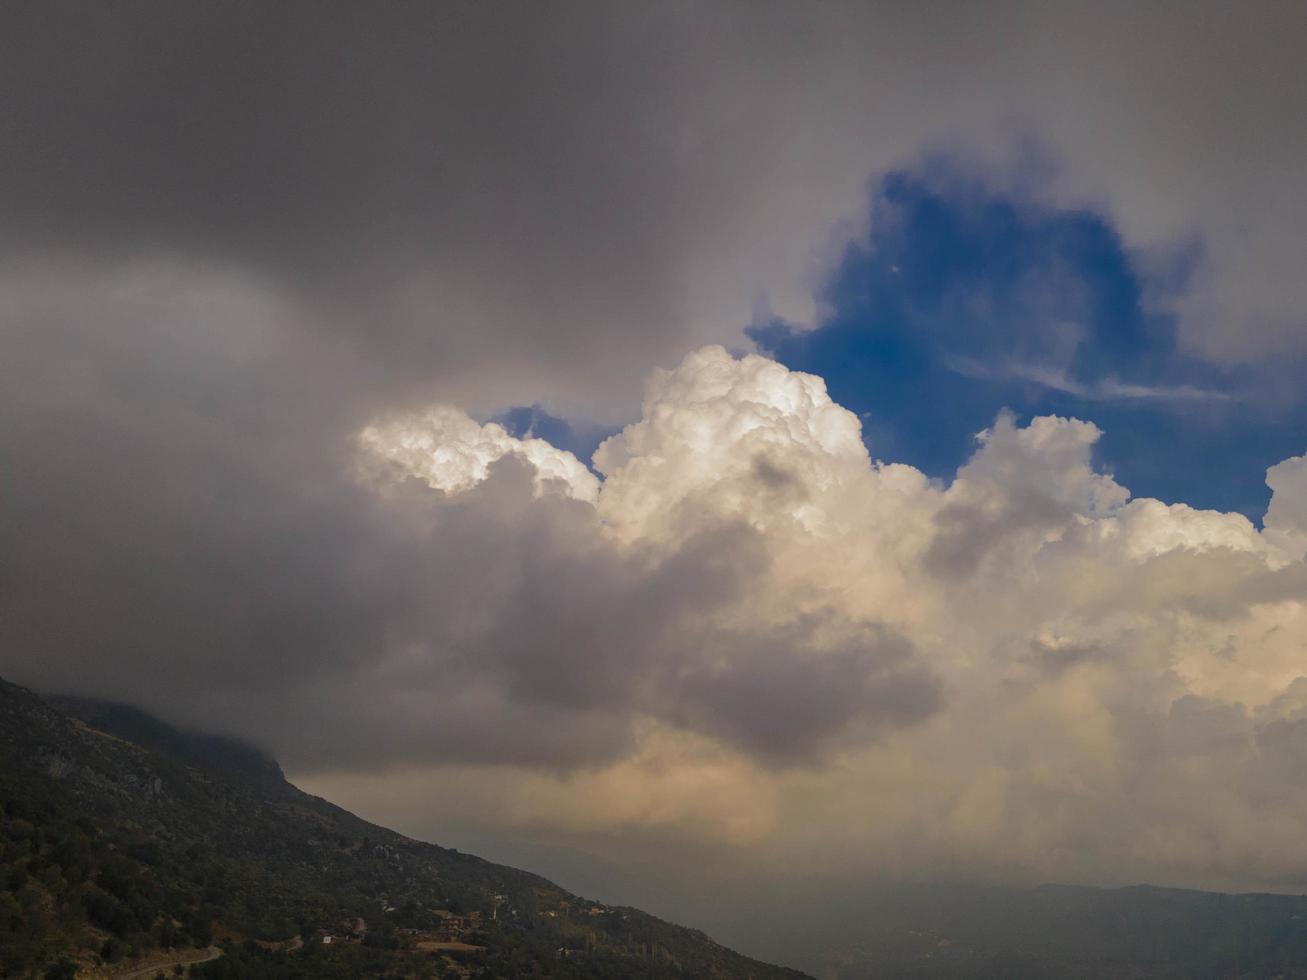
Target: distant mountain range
129 848
959 932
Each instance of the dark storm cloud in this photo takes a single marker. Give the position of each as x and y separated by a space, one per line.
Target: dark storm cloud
561 194
183 530
787 693
175 506
435 181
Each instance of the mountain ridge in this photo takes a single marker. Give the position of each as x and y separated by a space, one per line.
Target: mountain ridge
112 851
126 842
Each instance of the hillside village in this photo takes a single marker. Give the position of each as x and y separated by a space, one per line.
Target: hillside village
447 931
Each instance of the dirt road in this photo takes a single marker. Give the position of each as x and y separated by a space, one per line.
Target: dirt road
137 973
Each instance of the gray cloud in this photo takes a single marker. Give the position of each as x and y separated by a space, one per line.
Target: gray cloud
184 530
512 200
787 693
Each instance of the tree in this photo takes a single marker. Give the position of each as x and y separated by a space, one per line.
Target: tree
112 950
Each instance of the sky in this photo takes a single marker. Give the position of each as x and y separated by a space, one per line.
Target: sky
705 452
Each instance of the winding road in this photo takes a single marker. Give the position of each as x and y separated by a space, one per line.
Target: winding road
211 954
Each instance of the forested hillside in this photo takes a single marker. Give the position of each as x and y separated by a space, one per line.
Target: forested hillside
125 842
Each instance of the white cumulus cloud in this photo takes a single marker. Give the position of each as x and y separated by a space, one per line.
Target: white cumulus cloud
1025 668
1286 517
450 451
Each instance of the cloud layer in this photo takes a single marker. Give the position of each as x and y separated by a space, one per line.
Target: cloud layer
252 256
480 202
1022 669
742 632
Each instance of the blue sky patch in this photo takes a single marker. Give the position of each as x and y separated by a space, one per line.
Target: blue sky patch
964 301
533 422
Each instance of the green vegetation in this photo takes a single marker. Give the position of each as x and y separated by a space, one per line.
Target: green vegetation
121 838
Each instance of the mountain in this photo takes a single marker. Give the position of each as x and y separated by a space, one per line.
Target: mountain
126 845
967 932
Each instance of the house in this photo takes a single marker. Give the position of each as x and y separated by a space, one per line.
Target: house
452 926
